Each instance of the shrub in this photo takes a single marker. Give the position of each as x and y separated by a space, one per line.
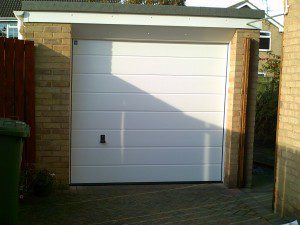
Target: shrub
266 112
37 182
42 183
267 102
271 65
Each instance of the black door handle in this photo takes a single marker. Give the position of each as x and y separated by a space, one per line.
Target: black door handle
102 139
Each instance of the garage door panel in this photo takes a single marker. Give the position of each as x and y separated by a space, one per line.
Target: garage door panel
146 121
89 47
159 105
148 65
146 156
174 173
149 138
99 83
147 102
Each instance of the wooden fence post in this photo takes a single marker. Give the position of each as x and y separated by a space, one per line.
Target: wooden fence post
244 97
30 100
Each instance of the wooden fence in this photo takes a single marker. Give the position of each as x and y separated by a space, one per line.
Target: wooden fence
17 87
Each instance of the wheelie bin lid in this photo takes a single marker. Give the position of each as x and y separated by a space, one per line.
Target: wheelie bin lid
14 128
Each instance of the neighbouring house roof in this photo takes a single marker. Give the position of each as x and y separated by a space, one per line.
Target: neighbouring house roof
246 4
241 4
96 7
8 6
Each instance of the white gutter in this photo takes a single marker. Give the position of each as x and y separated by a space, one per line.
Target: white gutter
286 8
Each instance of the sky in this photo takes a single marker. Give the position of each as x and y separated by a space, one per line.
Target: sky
274 7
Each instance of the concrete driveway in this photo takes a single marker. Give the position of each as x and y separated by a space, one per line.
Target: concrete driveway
152 204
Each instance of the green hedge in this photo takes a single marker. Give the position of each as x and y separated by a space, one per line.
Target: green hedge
266 111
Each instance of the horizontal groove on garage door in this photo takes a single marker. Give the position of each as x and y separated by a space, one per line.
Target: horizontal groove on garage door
147 74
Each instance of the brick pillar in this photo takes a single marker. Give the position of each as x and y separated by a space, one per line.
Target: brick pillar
52 69
287 187
233 120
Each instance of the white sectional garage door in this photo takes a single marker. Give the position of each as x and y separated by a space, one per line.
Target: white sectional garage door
159 105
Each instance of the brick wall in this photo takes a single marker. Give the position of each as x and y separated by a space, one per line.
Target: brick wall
276 41
287 188
234 107
52 55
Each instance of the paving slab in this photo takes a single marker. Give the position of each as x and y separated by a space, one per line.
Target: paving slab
151 204
156 204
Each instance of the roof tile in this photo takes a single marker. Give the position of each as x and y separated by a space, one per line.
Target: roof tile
8 6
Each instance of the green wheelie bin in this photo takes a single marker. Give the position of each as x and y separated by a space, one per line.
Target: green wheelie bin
12 136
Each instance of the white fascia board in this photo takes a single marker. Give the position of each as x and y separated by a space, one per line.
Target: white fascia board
276 24
143 20
8 20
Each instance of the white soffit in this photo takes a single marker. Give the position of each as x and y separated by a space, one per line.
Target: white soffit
142 20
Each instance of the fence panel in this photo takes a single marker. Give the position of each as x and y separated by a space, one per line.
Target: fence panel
9 78
17 100
2 80
19 80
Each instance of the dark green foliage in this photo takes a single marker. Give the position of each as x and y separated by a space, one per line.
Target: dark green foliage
106 1
42 183
37 182
266 111
271 65
111 1
267 102
156 2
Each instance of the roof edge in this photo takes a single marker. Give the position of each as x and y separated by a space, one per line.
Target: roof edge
267 17
8 19
95 7
238 4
